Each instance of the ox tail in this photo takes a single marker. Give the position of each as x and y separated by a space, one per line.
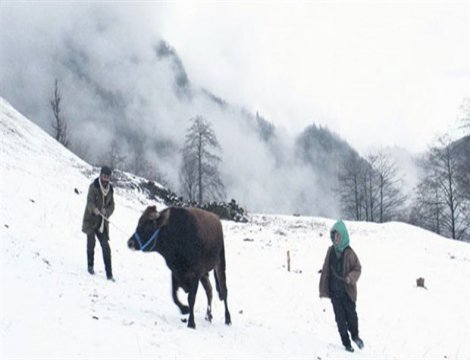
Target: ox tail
219 276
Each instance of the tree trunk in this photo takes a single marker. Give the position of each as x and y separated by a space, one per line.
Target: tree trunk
199 159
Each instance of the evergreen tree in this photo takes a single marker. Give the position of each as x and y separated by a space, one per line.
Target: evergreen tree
199 173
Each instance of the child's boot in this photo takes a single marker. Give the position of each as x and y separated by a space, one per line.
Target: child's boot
359 342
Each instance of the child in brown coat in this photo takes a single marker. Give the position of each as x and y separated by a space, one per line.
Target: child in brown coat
339 276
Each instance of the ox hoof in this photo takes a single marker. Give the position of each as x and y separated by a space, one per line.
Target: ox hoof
191 325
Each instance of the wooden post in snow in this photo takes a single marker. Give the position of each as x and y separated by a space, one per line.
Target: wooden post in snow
420 283
288 260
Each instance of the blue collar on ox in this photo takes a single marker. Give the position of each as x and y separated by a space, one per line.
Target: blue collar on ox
152 238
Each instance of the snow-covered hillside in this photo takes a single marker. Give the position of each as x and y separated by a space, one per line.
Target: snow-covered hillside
50 307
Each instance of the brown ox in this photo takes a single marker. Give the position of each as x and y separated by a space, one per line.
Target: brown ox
192 243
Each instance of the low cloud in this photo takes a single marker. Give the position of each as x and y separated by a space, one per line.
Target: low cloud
115 87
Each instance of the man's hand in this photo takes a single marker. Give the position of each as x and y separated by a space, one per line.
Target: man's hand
96 211
103 211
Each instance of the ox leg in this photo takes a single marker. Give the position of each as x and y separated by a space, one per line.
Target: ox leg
174 291
228 318
221 283
208 288
193 285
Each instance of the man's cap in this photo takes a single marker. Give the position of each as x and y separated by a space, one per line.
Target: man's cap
105 170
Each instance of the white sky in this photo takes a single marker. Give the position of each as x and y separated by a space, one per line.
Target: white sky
378 74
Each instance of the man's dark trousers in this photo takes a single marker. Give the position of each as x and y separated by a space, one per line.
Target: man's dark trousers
104 242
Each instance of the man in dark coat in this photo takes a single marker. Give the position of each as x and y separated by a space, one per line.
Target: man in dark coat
340 273
99 207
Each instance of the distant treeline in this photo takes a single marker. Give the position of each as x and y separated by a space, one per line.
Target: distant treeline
225 210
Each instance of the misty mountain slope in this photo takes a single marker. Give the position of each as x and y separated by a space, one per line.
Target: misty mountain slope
128 86
134 90
51 307
462 149
323 152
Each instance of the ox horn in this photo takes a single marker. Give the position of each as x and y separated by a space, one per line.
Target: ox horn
154 215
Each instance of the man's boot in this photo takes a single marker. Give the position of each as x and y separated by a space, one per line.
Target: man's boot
90 263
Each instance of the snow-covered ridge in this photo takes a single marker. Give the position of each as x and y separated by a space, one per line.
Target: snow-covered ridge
22 137
26 147
51 307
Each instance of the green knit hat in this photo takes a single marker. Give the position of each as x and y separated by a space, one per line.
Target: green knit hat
340 228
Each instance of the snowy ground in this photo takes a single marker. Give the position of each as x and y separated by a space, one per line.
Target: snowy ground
50 307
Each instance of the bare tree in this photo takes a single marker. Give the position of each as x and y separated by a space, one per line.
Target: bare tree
463 168
462 178
351 186
428 207
441 167
59 124
463 153
188 176
465 118
370 183
390 197
370 189
199 171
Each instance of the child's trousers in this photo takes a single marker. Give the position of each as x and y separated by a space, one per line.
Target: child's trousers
346 318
